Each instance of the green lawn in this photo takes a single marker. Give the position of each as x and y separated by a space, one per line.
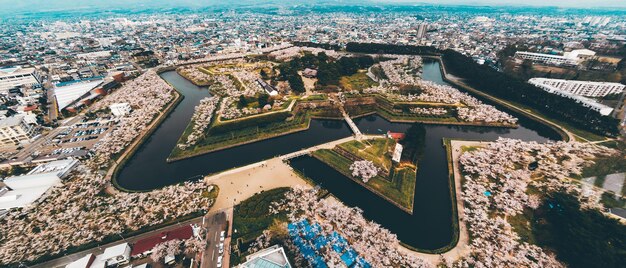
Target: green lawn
375 150
357 81
217 141
252 216
400 188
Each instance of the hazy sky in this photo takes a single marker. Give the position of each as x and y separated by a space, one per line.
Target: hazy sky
8 6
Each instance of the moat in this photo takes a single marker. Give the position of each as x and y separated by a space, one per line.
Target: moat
430 225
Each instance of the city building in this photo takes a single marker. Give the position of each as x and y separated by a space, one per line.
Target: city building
583 88
67 95
584 101
116 255
397 153
272 257
574 57
15 130
21 191
421 30
12 77
84 262
120 109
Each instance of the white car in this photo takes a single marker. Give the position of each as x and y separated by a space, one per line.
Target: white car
222 236
221 248
219 261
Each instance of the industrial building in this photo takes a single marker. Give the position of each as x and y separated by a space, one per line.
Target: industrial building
583 88
12 77
66 95
21 191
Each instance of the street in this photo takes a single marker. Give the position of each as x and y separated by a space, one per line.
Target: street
215 224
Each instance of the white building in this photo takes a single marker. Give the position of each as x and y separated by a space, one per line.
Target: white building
574 57
272 257
397 153
12 77
584 101
583 88
61 168
15 130
116 255
23 190
67 95
84 262
120 109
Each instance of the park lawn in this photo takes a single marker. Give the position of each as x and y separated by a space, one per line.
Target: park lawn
521 225
252 216
400 188
375 150
357 81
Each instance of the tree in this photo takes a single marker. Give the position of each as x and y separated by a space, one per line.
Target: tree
364 169
581 237
243 102
263 99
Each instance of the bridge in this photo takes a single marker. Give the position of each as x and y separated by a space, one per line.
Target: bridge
328 145
357 133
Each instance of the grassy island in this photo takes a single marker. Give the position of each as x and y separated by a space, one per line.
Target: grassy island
395 182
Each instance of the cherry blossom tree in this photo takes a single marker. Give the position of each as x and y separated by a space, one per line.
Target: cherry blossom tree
364 169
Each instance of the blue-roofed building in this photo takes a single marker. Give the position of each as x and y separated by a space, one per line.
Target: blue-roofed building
272 257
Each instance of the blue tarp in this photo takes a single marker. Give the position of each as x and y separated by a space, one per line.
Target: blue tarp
349 257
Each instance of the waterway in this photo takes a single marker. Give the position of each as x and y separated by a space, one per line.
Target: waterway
429 227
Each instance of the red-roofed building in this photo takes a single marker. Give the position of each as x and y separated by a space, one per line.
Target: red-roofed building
144 246
395 135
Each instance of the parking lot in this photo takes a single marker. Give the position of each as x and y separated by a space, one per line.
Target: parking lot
77 139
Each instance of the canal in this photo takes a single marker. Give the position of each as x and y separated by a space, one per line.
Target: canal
430 225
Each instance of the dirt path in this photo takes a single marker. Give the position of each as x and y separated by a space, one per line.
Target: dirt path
241 183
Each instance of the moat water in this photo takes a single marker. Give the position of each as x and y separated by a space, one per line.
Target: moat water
430 225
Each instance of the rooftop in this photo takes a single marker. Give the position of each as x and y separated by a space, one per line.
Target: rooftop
11 121
67 94
148 243
272 257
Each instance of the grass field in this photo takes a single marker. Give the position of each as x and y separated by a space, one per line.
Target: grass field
356 81
400 188
252 216
231 138
376 150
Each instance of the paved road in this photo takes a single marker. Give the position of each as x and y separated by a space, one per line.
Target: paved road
61 262
36 145
215 224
